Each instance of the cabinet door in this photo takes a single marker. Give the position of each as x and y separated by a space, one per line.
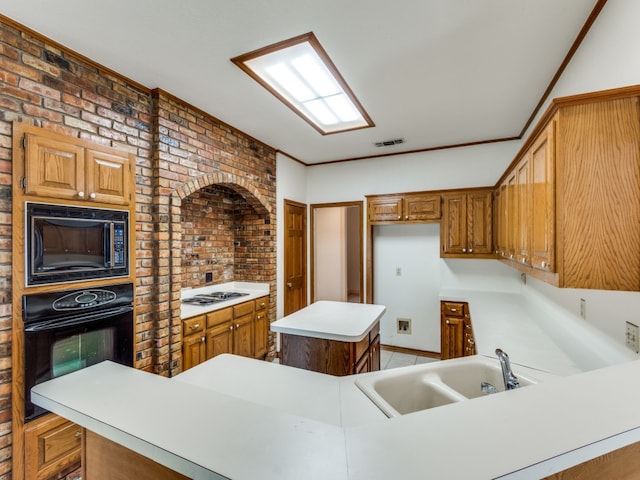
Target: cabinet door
219 339
421 207
385 209
374 354
479 223
261 328
502 212
243 335
363 365
52 444
452 338
543 201
193 351
453 229
108 177
53 168
523 192
512 216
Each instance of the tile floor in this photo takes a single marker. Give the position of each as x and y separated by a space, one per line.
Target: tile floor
390 359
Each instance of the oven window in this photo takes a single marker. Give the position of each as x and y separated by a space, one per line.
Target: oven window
82 350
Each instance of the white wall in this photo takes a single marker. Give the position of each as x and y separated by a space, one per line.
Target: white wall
607 58
291 184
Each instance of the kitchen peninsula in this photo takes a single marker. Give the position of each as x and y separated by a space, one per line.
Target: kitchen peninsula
337 338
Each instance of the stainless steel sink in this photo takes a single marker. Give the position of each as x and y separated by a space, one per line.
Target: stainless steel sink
410 389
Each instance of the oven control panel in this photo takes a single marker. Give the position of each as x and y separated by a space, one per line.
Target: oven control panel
84 299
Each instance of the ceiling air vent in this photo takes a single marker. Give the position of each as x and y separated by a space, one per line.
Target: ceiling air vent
389 143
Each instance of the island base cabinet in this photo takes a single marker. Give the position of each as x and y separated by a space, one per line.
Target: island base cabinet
52 446
105 459
332 357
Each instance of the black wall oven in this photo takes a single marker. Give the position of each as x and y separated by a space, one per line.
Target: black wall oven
67 243
73 329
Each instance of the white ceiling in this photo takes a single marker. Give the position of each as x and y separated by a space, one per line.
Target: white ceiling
434 72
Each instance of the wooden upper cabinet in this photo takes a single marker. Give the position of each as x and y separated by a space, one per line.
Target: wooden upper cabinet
467 225
409 208
569 206
53 168
108 177
542 191
56 167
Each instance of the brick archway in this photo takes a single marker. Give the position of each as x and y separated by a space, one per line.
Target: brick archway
168 337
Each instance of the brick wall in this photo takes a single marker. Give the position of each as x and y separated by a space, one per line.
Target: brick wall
179 151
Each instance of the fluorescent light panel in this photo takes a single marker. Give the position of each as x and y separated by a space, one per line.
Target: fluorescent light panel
299 72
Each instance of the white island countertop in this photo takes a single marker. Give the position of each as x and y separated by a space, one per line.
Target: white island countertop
342 321
203 431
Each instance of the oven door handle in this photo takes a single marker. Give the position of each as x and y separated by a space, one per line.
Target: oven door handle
77 319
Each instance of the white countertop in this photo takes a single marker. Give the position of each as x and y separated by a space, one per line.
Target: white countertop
537 335
253 291
192 427
343 321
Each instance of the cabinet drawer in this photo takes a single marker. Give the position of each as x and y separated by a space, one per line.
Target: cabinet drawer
51 446
373 333
454 309
262 303
361 347
219 316
193 325
242 309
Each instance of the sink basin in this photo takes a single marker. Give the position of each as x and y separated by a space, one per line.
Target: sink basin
410 389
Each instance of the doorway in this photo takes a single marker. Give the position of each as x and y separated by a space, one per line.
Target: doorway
336 252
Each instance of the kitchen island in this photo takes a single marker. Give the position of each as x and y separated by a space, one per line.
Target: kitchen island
206 426
337 338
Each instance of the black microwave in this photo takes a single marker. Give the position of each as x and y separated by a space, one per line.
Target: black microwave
67 243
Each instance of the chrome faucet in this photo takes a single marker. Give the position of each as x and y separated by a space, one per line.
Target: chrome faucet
510 380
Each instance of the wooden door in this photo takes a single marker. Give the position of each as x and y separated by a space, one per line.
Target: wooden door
261 328
295 256
243 335
543 201
53 168
452 338
523 192
422 207
454 224
219 339
193 351
479 223
385 209
108 177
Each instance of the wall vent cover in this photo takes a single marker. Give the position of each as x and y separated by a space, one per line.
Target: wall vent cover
389 143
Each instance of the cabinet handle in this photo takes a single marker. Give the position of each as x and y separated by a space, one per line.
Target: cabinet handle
289 284
543 264
193 327
407 217
203 339
237 325
92 195
464 250
470 341
230 327
81 194
399 217
78 434
258 317
447 322
454 309
471 250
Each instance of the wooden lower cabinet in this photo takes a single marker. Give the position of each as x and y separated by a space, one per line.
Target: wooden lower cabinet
105 459
241 329
456 336
332 357
52 445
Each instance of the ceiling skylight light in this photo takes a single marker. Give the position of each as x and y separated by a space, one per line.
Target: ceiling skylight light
299 72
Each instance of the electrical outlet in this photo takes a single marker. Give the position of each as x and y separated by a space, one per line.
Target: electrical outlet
404 326
633 337
208 277
398 272
583 308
